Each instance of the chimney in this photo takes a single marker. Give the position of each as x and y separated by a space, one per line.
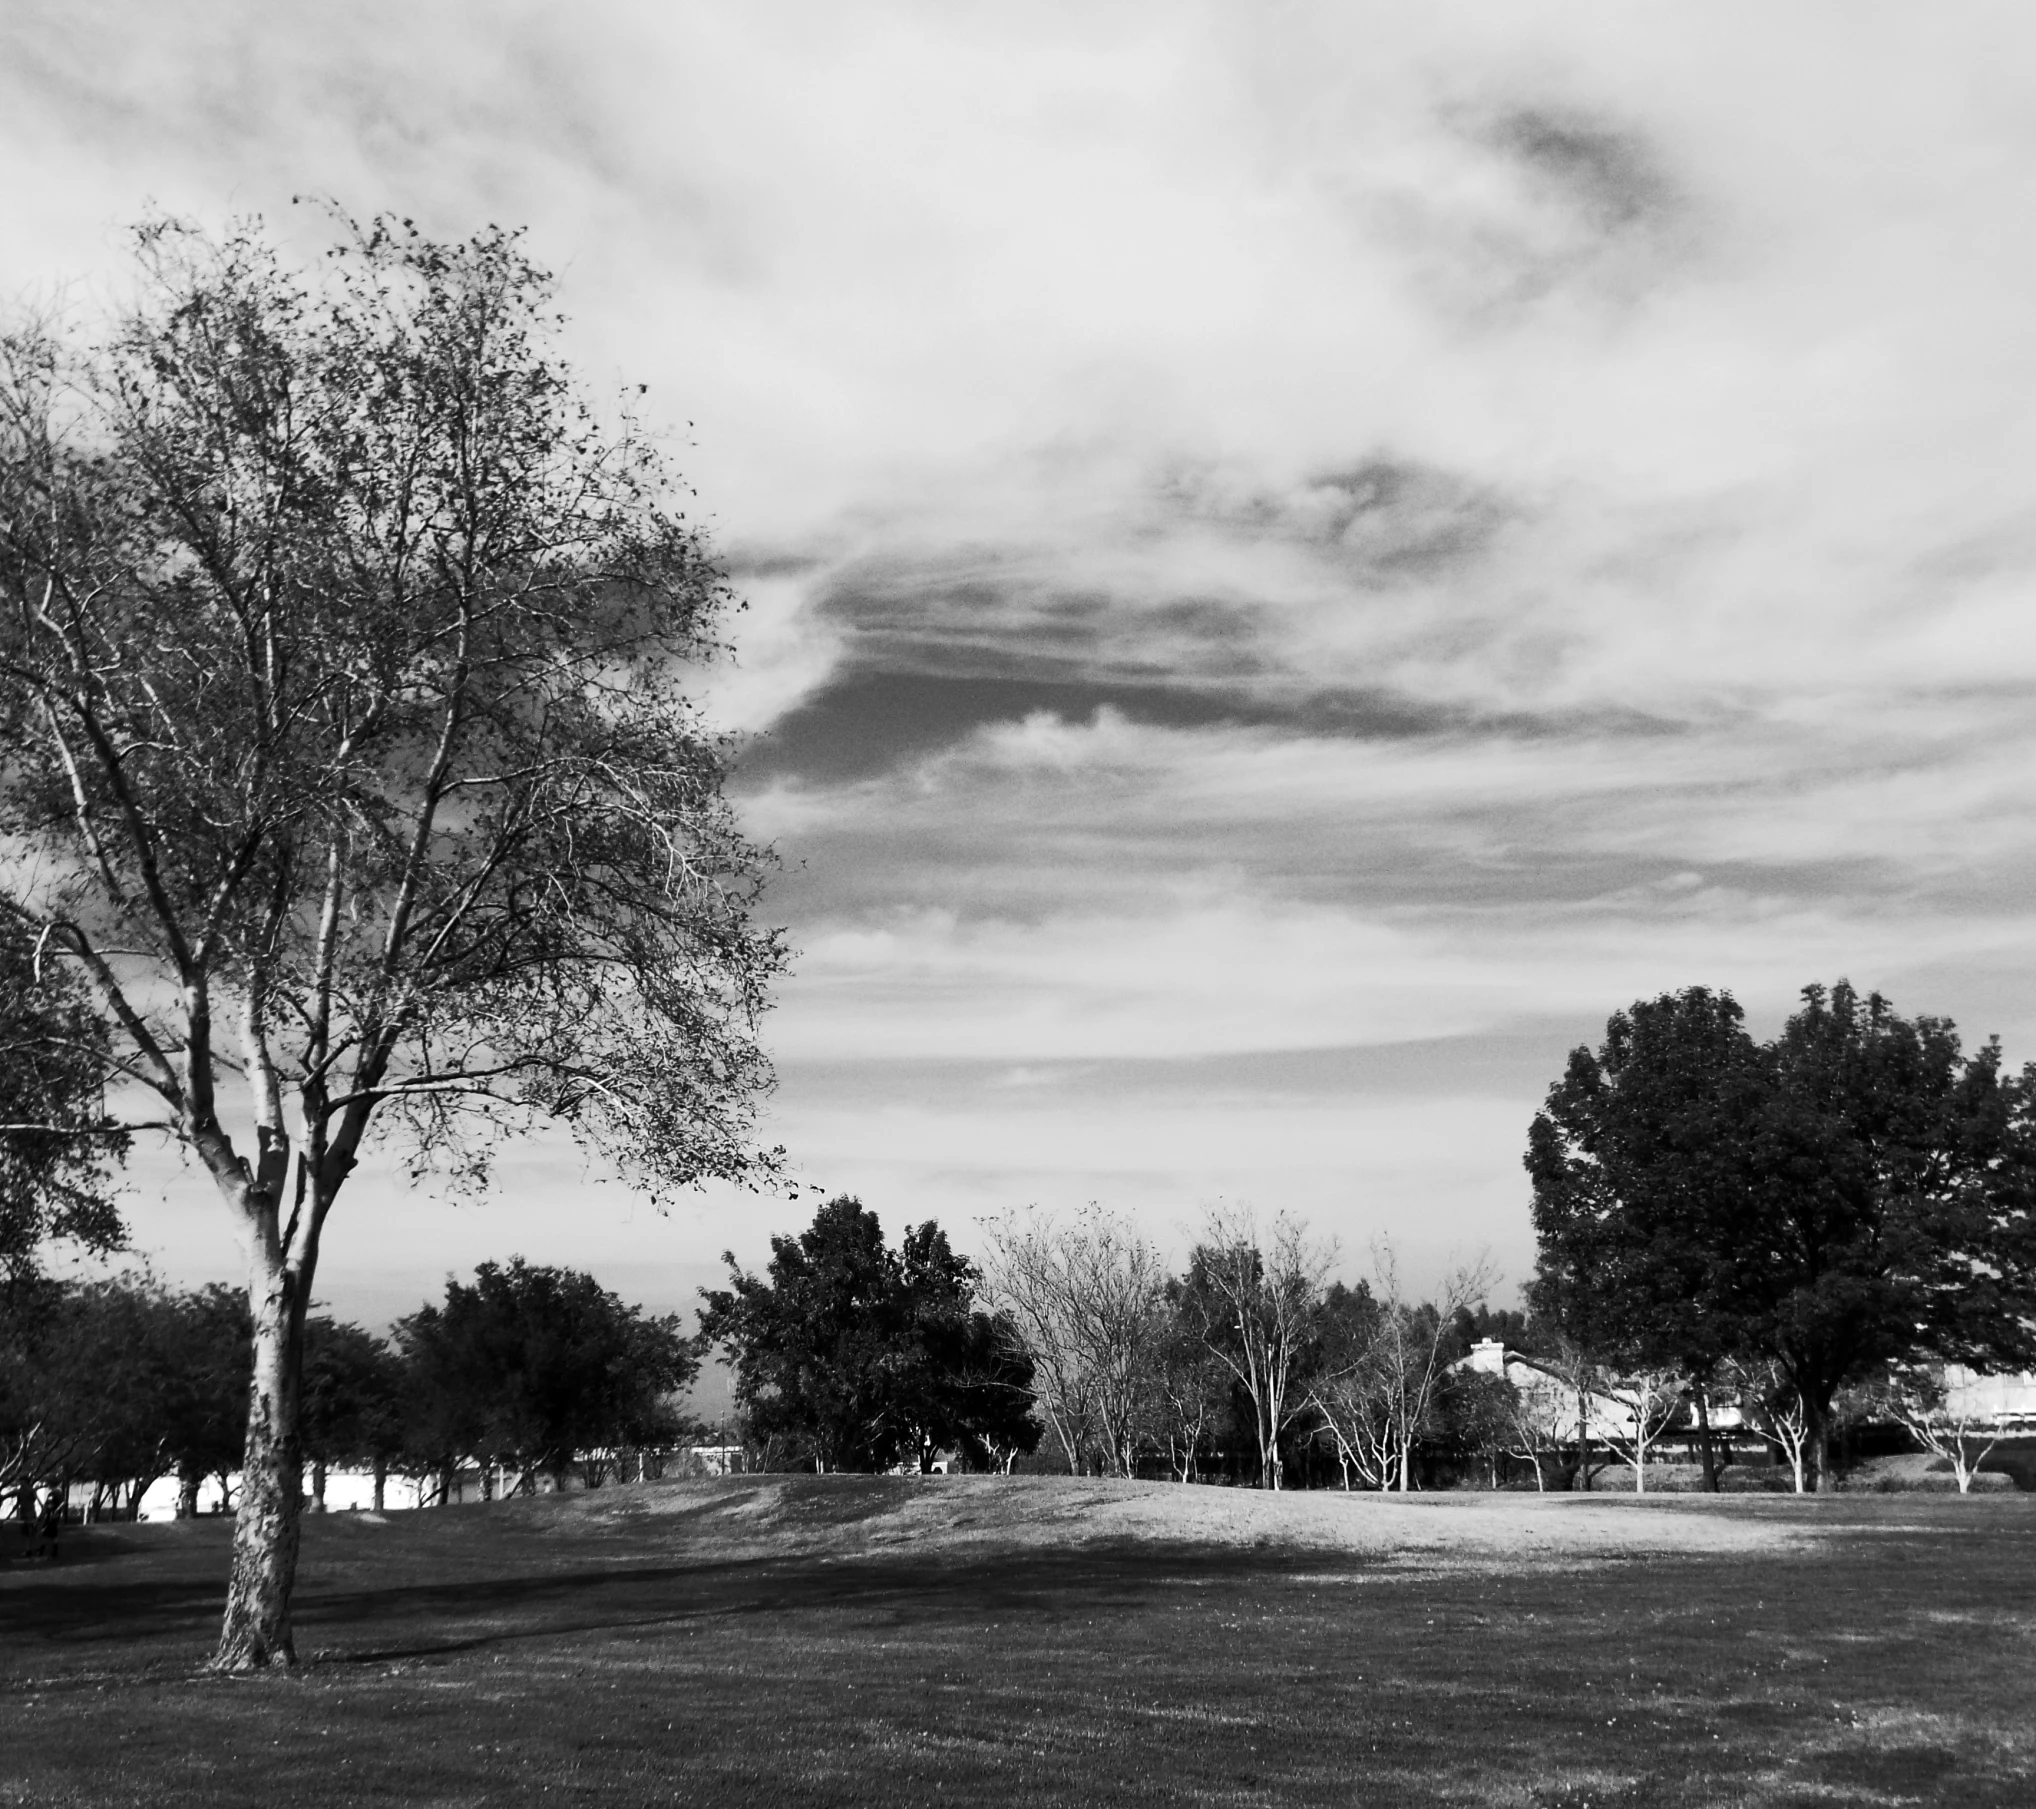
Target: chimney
1488 1356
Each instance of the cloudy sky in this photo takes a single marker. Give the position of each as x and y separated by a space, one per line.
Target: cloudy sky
1297 556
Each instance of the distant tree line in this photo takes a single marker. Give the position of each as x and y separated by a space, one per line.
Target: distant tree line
1074 1345
524 1372
1795 1237
1791 1237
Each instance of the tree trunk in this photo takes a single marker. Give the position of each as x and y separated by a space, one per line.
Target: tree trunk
381 1483
256 1634
188 1480
318 1485
1704 1439
1268 1459
1583 1441
1819 1441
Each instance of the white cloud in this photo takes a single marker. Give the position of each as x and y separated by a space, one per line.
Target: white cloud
1686 357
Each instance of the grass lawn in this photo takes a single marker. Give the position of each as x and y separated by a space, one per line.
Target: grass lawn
846 1640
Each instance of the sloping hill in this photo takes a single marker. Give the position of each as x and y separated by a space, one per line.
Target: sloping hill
866 1516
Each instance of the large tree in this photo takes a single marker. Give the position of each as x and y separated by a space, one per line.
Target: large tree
341 661
1647 1198
1858 1190
1898 1203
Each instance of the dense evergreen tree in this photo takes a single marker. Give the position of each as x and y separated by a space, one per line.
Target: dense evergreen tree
860 1356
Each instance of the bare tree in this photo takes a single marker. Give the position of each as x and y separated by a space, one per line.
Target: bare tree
1650 1398
1917 1396
1088 1298
340 664
1258 1298
1193 1384
1772 1401
1540 1426
1410 1342
1354 1404
1348 1390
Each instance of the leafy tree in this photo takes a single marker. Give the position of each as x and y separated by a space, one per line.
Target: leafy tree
1646 1189
1897 1194
1854 1193
965 1381
57 1147
203 1366
860 1354
49 1425
118 1382
353 1403
1479 1415
973 1390
340 661
530 1366
818 1345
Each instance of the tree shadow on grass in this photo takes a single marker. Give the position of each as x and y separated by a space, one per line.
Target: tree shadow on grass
390 1623
898 1588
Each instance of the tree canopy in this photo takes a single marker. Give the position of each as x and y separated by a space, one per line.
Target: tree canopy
527 1366
1857 1191
57 1154
861 1355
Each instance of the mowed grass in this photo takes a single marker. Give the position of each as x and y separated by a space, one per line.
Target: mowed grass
881 1641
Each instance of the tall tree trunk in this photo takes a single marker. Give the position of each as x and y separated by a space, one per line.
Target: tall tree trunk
256 1634
188 1480
1704 1439
1268 1456
381 1483
1583 1441
1820 1446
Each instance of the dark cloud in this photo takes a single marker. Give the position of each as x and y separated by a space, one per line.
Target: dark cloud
1609 176
866 722
1558 200
869 720
936 646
